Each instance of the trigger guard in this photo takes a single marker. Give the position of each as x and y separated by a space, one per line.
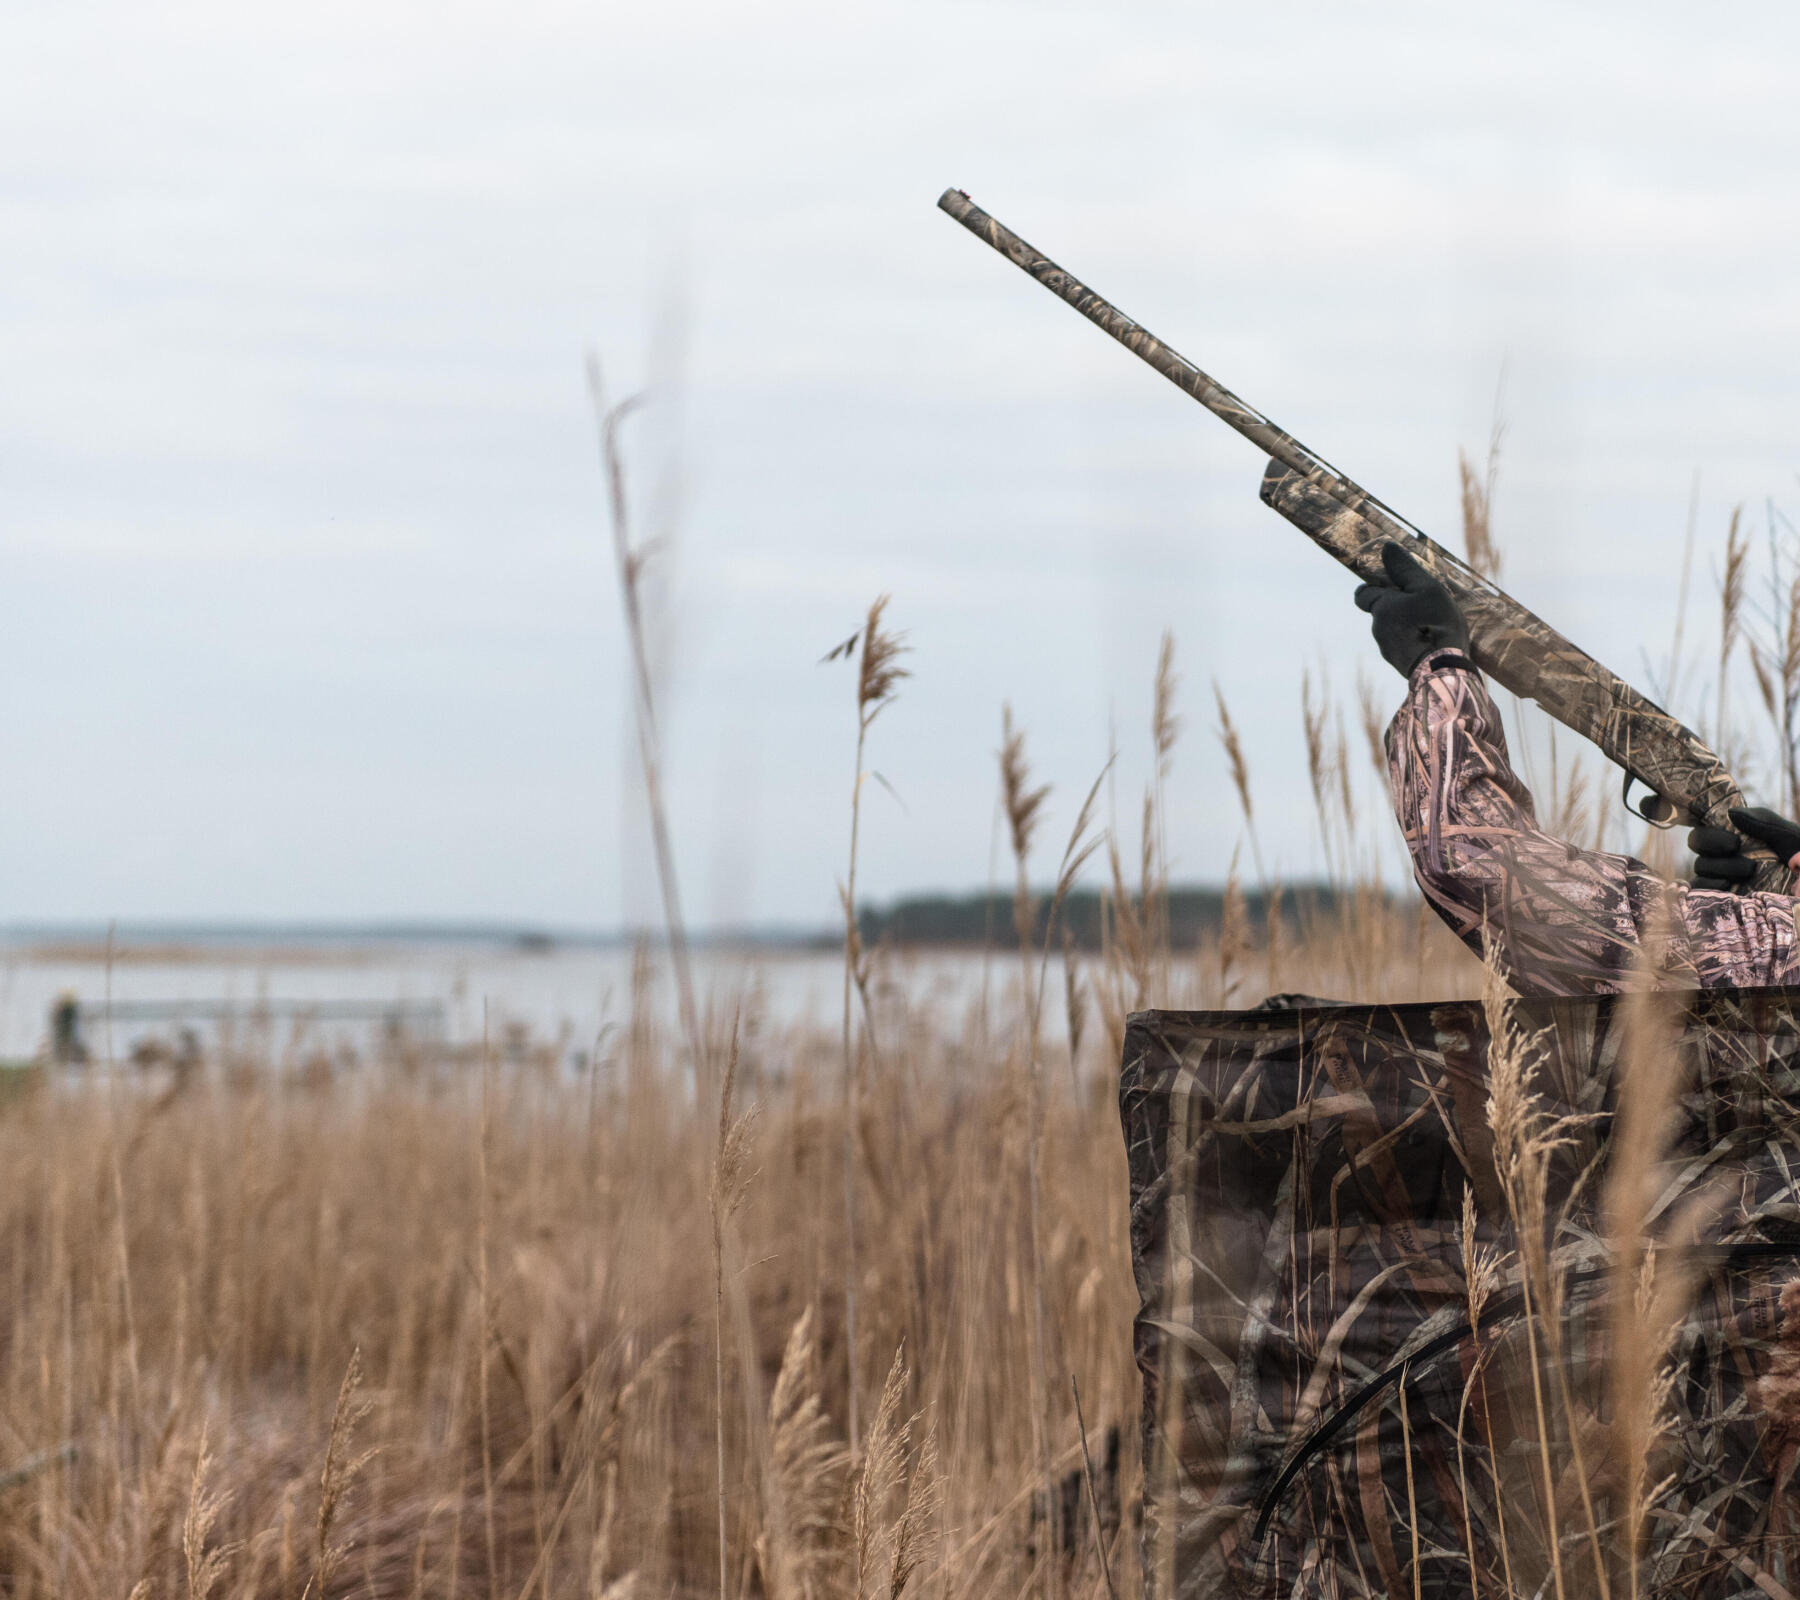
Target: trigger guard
1654 808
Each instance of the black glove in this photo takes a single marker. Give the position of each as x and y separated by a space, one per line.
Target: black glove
1719 859
1413 612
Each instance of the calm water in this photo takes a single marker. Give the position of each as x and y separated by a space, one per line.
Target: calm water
567 994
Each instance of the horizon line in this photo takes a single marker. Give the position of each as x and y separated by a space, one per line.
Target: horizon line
451 929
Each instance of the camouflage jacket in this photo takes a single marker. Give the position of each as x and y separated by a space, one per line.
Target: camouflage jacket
1561 921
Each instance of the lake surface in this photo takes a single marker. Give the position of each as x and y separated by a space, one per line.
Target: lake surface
330 991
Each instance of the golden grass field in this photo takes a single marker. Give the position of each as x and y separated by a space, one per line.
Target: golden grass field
453 1327
446 1328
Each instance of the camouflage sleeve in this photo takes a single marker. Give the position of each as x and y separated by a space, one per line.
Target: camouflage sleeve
1561 921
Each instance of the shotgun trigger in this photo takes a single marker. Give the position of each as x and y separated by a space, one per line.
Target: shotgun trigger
1653 808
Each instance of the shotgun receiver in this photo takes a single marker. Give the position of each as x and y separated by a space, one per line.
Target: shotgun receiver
1518 650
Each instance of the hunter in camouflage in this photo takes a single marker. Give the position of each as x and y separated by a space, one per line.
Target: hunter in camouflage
1377 1342
1355 1381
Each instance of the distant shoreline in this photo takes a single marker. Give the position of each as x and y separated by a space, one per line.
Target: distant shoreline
919 921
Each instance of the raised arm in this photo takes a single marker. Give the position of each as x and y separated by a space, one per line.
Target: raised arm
1559 920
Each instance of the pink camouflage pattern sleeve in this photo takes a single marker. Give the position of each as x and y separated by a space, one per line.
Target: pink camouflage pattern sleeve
1562 921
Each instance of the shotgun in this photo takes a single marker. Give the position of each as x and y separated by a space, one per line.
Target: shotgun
1517 649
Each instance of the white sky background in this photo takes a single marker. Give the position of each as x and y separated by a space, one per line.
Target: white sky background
308 606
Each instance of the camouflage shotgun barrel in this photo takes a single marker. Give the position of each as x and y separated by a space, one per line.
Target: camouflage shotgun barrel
1517 649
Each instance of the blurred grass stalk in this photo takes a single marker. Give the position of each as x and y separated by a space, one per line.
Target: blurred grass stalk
629 560
878 677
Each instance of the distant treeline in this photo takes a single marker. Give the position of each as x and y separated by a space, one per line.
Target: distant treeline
1193 913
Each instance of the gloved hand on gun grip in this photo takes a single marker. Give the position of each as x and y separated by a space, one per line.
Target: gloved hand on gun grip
1719 859
1412 611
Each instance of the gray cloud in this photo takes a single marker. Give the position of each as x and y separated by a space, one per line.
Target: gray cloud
308 606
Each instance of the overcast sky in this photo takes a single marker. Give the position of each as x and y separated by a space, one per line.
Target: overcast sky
308 604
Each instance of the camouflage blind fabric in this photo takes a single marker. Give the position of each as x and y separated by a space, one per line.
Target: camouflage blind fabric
1320 1417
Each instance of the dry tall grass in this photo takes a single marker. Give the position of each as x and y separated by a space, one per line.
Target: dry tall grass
438 1327
522 1278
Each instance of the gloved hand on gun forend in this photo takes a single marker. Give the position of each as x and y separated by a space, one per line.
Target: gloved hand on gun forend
1719 861
1412 611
